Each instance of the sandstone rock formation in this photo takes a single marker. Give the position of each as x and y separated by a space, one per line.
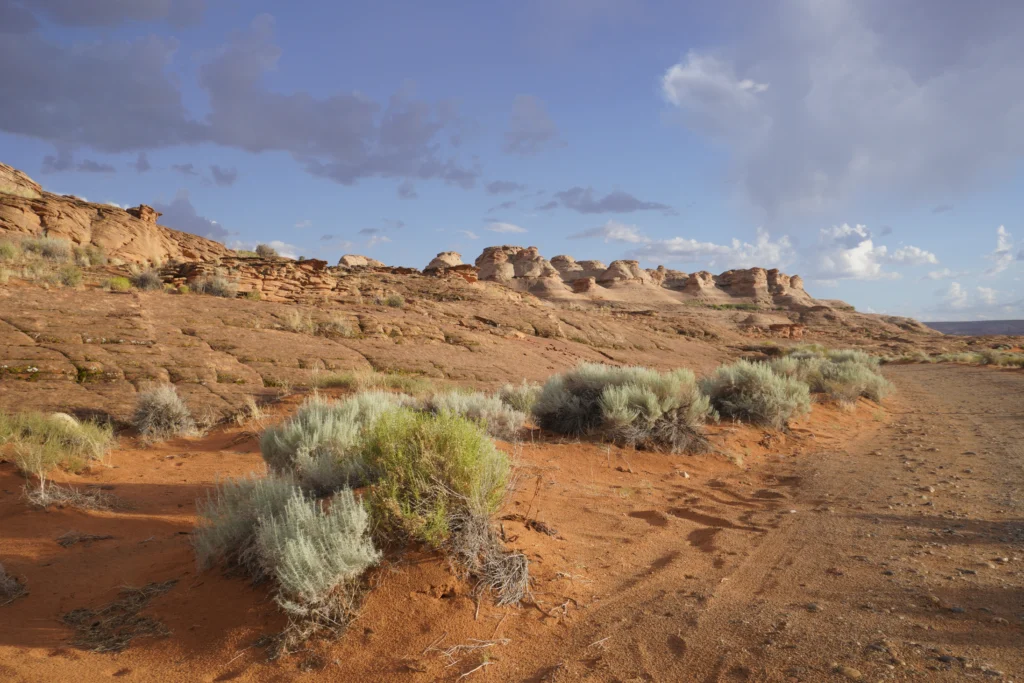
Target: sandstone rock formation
446 259
26 210
357 261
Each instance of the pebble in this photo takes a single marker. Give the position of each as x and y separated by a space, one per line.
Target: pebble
851 673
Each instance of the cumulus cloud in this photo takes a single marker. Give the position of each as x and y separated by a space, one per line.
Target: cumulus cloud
500 227
224 177
179 214
582 199
849 252
987 295
530 129
504 187
955 297
1002 256
819 102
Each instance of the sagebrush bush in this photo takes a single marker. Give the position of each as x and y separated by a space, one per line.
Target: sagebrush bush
498 419
43 441
427 468
842 376
161 414
51 248
318 444
215 285
90 255
118 284
266 251
521 397
753 392
147 280
395 301
70 276
635 405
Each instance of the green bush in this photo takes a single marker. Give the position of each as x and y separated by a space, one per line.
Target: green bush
253 295
9 251
318 444
520 397
118 284
498 419
635 405
42 442
428 468
70 276
395 301
161 414
753 392
216 285
50 248
842 376
148 280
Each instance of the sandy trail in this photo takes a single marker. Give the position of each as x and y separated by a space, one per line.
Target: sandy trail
873 545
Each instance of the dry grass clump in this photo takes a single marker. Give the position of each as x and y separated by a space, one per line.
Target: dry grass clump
41 442
50 248
90 255
49 494
9 251
755 393
313 552
10 588
635 405
520 397
215 285
147 280
161 414
498 419
111 628
363 380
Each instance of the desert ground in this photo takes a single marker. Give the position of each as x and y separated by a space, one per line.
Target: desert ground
873 530
873 544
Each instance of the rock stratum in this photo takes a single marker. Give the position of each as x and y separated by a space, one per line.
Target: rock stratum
131 235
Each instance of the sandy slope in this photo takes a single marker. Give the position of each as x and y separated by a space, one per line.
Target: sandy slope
871 540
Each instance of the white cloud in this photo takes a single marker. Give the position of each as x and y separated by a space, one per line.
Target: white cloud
504 227
913 256
865 96
282 248
987 295
470 234
377 239
945 273
1002 257
956 296
613 231
303 224
763 252
849 252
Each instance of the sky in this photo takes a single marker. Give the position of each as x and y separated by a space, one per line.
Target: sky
875 147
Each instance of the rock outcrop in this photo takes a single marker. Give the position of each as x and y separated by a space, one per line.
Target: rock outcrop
522 269
357 261
446 259
26 210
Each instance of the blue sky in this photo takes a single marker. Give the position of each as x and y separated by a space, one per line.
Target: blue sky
875 148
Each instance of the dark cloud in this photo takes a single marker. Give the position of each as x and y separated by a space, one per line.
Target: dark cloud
224 177
179 214
503 206
886 230
141 163
942 208
504 187
327 238
64 161
582 199
530 128
185 169
369 231
124 96
406 190
112 12
547 206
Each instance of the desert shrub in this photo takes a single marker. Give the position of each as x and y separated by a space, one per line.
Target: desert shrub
395 301
361 380
9 251
336 325
317 445
428 468
841 376
10 588
50 248
161 414
118 284
521 397
254 295
215 285
147 280
247 253
90 255
70 276
635 405
266 251
755 393
298 321
271 529
184 289
43 441
499 420
853 356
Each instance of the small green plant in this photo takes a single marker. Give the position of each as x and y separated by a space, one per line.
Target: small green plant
147 280
70 276
184 289
395 301
118 284
266 251
9 251
161 414
253 295
753 392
